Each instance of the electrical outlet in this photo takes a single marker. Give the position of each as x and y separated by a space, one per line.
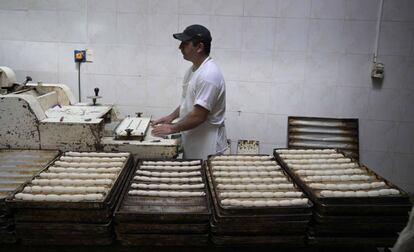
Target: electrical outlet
377 71
89 55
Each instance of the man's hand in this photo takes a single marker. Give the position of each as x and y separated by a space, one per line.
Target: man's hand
162 120
161 130
167 119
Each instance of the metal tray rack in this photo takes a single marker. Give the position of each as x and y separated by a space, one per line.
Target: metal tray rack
68 223
159 220
16 167
354 221
255 226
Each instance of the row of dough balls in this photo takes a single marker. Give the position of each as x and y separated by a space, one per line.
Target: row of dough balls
71 182
236 163
255 186
248 173
312 156
264 203
166 193
246 168
180 163
260 180
88 164
371 193
167 186
85 170
323 166
168 179
351 186
305 151
60 197
168 174
241 157
65 189
339 178
96 154
92 159
73 175
330 172
260 194
318 161
170 167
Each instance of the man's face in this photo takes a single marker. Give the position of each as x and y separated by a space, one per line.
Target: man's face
188 50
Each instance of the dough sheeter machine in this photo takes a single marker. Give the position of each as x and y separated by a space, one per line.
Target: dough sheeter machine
47 116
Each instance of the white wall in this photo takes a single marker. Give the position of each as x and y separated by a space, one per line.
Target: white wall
279 58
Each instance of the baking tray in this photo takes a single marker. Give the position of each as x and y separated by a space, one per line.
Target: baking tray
351 241
68 241
260 228
248 219
370 219
355 228
7 224
362 209
42 229
7 237
319 132
241 211
92 211
144 209
164 239
14 173
313 194
162 228
256 223
258 240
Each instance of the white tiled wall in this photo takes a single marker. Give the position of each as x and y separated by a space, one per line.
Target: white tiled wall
279 58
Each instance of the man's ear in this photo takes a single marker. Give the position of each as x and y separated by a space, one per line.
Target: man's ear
200 47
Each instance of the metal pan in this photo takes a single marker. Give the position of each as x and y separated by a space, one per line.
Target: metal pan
362 209
42 229
14 173
90 212
198 240
68 241
7 237
162 209
225 210
370 219
354 228
352 241
258 240
162 228
314 195
260 228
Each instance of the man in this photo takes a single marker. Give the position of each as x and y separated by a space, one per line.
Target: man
405 242
203 101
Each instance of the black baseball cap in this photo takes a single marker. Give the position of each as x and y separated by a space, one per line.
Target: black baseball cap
194 32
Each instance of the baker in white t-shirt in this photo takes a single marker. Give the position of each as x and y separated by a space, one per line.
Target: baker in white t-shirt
203 102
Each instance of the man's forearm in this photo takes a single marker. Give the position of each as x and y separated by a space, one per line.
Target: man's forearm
193 119
196 117
175 114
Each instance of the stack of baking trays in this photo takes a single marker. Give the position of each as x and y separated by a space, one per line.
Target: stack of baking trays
17 167
255 203
165 204
353 206
71 202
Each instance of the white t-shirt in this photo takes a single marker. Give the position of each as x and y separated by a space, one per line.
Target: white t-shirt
206 87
